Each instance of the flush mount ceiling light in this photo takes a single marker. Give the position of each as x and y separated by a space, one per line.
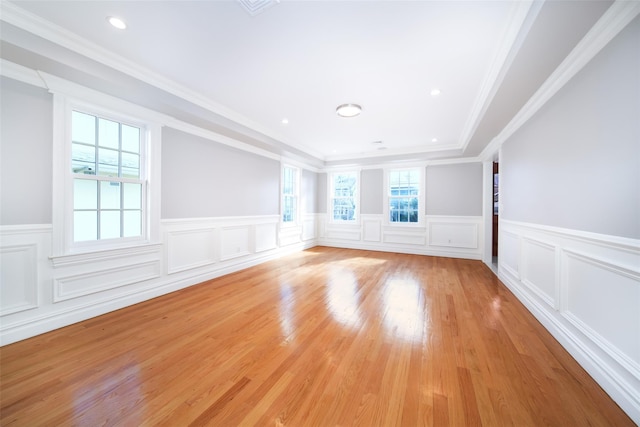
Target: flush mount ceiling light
117 22
348 110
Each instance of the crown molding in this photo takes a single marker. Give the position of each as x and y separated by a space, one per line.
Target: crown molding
614 20
522 18
21 73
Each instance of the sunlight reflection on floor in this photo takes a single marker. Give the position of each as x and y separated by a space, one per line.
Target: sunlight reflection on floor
287 305
404 309
343 297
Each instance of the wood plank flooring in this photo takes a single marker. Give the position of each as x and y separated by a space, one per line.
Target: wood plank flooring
325 337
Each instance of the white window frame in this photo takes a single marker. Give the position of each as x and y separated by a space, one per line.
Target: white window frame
296 195
68 97
421 197
331 193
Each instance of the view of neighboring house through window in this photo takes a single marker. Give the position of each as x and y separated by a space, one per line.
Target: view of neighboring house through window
404 192
289 194
343 196
108 181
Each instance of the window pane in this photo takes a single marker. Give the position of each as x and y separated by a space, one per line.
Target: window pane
130 165
85 194
108 134
132 224
85 226
83 159
109 224
83 128
109 195
130 139
132 196
107 162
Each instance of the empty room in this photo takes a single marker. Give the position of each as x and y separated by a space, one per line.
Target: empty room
320 213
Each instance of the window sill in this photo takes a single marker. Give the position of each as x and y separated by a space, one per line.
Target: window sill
104 254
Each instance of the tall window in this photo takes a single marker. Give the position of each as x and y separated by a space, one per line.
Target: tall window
108 178
289 194
344 190
404 196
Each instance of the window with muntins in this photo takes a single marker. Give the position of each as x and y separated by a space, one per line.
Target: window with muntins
289 194
404 196
344 187
108 178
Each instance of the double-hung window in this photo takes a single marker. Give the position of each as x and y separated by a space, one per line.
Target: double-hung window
404 195
344 196
106 172
290 194
108 175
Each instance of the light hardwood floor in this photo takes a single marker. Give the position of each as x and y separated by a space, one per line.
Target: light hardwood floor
324 337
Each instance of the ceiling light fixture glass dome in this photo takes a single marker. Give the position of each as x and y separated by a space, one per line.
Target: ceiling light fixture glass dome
348 110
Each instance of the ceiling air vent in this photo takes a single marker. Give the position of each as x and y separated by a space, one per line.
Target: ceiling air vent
254 7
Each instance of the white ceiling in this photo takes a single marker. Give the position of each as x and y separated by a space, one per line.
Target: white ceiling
300 59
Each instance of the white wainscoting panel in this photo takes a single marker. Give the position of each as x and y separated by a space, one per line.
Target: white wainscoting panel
24 276
371 230
266 236
93 281
456 235
290 235
80 275
234 242
187 249
585 289
309 227
343 234
539 270
509 252
603 300
416 238
18 278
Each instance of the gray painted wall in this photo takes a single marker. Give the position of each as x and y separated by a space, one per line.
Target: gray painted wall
321 199
26 117
454 189
308 193
576 163
201 178
371 191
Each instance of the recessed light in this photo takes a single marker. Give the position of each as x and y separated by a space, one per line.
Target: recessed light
285 121
117 22
435 92
434 140
348 110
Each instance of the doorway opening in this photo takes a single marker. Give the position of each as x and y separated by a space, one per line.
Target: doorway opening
495 216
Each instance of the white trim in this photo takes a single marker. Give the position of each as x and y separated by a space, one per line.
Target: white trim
330 193
20 73
386 198
66 97
25 229
220 221
522 17
620 243
297 221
